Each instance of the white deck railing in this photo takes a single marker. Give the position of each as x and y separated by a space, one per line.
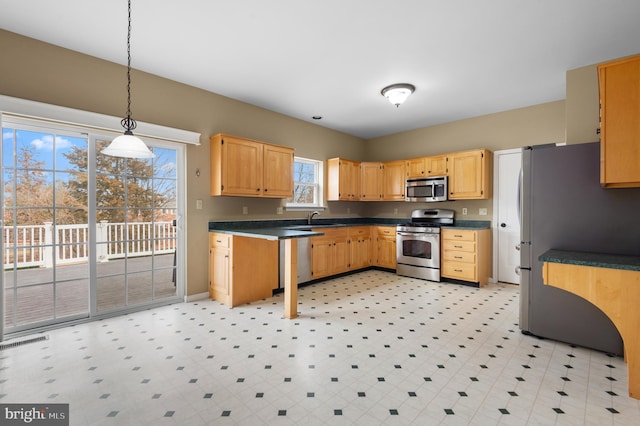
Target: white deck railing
32 246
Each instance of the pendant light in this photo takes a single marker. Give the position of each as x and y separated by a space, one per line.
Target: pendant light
398 93
128 145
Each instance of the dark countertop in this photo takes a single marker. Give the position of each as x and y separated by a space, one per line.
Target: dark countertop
598 260
269 233
282 229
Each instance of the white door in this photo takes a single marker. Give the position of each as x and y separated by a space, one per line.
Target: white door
508 164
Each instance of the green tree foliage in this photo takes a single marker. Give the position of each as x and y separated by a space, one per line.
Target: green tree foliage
124 187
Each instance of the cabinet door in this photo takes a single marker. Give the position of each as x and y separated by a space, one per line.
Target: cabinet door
219 274
360 247
619 124
469 175
371 181
386 251
322 254
342 254
241 166
352 182
415 167
436 165
343 180
393 180
278 171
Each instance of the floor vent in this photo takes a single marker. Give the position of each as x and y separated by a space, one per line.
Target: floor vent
4 346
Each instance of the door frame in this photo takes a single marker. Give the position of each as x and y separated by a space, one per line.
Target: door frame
496 185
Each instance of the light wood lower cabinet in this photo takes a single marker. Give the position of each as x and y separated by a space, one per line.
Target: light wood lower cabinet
241 269
385 246
466 255
329 252
359 247
351 248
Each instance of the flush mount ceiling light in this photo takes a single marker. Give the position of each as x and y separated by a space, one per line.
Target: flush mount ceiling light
398 93
128 145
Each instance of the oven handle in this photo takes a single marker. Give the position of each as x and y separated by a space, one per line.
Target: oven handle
417 234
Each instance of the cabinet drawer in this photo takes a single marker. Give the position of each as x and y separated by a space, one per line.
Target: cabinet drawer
459 270
469 246
460 256
458 235
359 231
386 230
220 240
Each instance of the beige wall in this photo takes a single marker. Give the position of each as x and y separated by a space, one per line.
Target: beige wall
38 71
516 128
582 105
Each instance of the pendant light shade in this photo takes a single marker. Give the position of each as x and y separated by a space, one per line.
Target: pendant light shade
128 145
398 93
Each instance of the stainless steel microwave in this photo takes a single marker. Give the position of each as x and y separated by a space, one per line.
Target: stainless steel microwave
427 189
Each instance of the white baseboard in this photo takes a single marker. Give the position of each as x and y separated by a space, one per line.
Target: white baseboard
194 297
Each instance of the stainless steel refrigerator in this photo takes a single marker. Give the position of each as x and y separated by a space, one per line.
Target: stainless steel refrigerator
563 206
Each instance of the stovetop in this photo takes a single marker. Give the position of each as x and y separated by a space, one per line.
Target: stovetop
427 220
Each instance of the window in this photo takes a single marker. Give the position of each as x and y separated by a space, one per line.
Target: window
307 184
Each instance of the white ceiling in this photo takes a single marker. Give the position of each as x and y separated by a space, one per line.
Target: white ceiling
332 57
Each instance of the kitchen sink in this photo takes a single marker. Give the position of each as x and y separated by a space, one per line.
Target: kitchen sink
298 227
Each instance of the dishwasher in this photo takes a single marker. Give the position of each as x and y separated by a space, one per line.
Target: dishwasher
304 261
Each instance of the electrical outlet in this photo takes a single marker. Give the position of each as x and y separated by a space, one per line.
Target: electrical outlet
483 212
199 204
395 211
245 210
464 211
280 210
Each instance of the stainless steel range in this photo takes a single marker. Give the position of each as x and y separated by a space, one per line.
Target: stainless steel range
418 243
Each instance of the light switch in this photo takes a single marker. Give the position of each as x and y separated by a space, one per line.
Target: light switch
245 210
199 204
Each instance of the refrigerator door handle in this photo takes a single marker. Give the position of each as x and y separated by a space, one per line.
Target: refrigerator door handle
519 198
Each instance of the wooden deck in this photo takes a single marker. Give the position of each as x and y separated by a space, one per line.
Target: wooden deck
36 303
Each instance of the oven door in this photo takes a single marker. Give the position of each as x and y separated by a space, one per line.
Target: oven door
418 249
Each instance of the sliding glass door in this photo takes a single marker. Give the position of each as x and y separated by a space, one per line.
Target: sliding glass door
44 234
84 234
136 232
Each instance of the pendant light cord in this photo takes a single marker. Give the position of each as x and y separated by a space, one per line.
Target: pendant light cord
128 123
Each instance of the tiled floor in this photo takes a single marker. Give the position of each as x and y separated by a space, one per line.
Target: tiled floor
368 349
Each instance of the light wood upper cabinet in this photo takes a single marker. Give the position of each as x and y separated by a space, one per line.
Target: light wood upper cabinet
244 167
619 84
278 171
416 167
343 180
469 174
371 180
435 165
393 180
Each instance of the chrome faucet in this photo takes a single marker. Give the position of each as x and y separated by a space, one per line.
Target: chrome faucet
311 215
